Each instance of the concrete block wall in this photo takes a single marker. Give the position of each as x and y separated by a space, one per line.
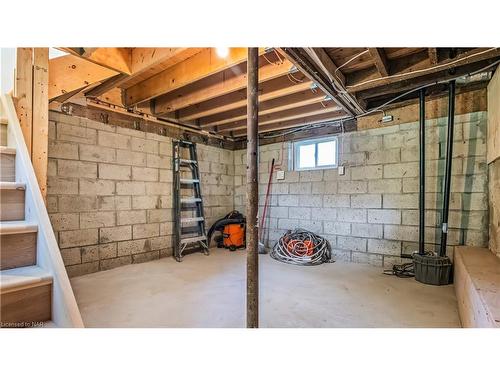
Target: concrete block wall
110 192
370 214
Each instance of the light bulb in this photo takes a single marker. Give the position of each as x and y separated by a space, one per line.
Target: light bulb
222 52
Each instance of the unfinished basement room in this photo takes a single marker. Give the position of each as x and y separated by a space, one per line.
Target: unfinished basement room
265 187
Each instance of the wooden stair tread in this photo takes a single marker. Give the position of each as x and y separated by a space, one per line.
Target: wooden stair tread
7 150
4 121
23 277
13 227
6 185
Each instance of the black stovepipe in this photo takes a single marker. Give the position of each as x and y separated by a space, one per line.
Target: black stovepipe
421 204
447 175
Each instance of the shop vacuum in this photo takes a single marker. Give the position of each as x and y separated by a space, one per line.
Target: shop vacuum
233 231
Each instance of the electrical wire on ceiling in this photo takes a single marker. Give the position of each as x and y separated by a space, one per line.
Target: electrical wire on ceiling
294 79
278 56
450 63
377 109
301 128
343 88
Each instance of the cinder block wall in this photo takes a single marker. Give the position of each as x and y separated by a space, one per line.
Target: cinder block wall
110 192
370 214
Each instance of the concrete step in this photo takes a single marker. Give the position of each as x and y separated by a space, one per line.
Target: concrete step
7 164
477 286
12 198
18 243
26 297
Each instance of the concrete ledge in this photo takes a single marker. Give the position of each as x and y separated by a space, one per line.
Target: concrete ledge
477 286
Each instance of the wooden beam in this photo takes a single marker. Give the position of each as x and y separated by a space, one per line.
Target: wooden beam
252 182
195 68
327 81
323 60
433 55
69 73
309 120
465 58
410 84
113 96
380 61
299 99
117 59
146 62
23 92
106 86
39 155
269 90
290 114
327 128
217 85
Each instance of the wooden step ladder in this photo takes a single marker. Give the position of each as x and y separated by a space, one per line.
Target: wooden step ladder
189 218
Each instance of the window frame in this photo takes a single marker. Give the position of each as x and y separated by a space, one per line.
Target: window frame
296 154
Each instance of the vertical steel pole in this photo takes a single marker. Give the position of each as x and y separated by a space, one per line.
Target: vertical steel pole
252 189
421 238
447 175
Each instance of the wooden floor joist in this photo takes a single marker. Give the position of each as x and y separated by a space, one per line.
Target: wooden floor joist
196 88
215 86
299 99
289 114
269 90
197 67
280 125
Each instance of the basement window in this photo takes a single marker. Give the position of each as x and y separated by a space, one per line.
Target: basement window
315 154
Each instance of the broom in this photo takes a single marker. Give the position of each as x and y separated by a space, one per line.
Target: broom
262 248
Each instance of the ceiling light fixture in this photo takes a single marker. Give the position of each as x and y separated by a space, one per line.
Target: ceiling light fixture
222 52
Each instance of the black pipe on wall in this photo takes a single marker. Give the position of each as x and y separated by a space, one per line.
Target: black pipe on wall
447 176
421 205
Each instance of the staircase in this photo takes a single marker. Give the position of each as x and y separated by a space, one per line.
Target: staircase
34 286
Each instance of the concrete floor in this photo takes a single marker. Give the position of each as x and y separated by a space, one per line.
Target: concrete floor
210 292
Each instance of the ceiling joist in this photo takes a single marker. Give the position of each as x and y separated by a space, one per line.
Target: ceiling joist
465 58
117 59
197 67
217 85
276 105
269 90
70 73
309 120
289 114
380 61
433 55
